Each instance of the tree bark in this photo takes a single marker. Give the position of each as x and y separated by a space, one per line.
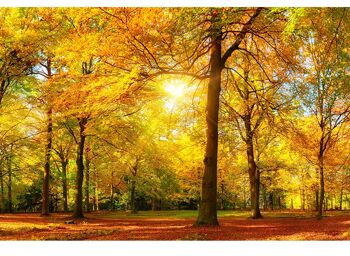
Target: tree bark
303 200
132 197
341 199
87 181
271 201
254 173
134 171
222 195
321 169
46 178
64 164
78 210
2 195
9 183
96 205
207 211
207 214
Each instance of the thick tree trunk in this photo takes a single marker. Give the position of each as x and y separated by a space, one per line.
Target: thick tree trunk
316 200
64 164
254 174
78 210
207 211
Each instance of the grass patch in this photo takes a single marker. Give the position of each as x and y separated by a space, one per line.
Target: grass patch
182 214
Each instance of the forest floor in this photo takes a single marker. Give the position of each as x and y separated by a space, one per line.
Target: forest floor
176 225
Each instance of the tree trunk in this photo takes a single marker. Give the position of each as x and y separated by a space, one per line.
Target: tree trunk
64 164
132 197
341 199
87 183
279 203
321 168
96 205
78 210
316 200
207 210
9 183
112 197
222 195
46 179
2 195
303 200
271 201
254 174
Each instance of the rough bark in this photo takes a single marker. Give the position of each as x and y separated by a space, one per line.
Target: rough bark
78 210
207 210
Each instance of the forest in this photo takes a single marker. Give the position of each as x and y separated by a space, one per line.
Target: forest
176 111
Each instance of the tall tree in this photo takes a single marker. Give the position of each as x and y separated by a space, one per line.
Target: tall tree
324 55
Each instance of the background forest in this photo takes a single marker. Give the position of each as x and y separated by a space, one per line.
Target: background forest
108 108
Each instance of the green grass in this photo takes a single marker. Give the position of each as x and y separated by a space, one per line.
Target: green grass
184 214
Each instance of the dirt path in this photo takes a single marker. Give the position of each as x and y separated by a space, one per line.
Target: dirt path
34 227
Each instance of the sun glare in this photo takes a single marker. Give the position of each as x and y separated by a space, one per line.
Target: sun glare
175 88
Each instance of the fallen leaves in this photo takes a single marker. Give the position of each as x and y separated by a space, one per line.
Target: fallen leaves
96 227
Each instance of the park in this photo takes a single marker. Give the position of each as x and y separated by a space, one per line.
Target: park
125 123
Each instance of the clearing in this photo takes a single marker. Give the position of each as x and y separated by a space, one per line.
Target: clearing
176 225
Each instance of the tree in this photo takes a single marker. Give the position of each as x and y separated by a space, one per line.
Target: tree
324 56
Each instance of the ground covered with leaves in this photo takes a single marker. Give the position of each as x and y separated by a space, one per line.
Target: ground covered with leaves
175 225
